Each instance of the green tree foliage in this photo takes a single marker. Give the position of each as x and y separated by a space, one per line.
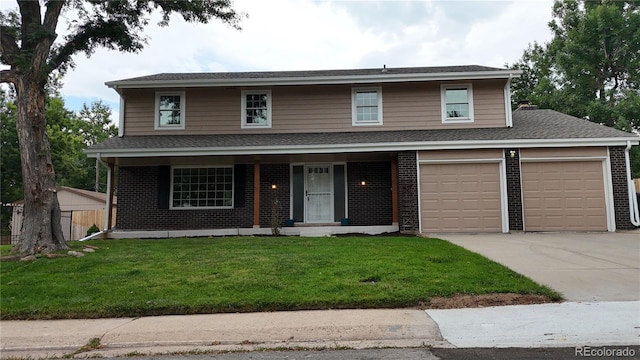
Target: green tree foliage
33 51
591 67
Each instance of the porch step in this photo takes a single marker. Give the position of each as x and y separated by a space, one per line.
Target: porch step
315 231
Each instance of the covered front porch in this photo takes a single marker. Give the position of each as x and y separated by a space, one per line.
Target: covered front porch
299 194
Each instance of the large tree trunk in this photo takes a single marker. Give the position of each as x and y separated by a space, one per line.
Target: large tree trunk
41 228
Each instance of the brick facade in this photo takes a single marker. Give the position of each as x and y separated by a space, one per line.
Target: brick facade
514 189
369 204
274 199
408 217
140 208
142 205
620 187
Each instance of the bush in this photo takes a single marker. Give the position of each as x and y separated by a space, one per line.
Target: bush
92 230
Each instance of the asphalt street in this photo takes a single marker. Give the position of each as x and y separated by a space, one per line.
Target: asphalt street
633 352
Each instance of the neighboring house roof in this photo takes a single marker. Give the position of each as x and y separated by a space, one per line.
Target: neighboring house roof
377 75
530 128
98 196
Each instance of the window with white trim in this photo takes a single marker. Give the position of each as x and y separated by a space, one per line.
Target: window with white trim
457 103
366 106
256 109
170 110
202 187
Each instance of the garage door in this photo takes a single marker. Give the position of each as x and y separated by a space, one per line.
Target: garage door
462 197
563 196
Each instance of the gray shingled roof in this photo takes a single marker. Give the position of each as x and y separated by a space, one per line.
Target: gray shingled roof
528 125
309 73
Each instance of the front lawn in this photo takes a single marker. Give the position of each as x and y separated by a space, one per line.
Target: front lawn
242 274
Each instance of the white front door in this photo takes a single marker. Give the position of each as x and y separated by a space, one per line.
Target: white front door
319 193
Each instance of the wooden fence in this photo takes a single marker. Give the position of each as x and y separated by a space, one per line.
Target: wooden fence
636 182
82 220
74 223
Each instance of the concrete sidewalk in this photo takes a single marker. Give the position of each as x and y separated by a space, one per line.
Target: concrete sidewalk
223 332
568 324
545 325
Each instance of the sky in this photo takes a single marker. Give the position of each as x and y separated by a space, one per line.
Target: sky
280 35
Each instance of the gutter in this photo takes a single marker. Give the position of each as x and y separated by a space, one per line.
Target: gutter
634 215
315 80
358 147
107 208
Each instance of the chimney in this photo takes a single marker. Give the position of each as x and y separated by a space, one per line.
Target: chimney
525 105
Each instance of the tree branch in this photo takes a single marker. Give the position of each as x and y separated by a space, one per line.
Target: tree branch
49 29
8 76
54 8
110 34
8 44
30 23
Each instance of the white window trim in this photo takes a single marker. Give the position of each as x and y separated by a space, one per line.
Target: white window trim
183 102
354 108
243 113
233 190
443 104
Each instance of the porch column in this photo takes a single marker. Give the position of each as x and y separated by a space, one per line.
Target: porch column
394 190
110 195
256 194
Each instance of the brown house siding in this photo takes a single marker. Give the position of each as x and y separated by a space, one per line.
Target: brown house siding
325 108
620 188
369 204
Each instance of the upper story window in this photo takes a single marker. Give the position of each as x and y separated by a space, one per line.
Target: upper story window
256 109
170 110
202 187
457 103
366 106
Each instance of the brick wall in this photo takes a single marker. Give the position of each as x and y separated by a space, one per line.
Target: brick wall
138 205
620 188
369 204
408 191
514 189
274 174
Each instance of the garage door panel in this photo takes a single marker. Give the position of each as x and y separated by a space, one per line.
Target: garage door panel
563 196
460 197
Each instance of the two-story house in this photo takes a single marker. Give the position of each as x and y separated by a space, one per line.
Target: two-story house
427 149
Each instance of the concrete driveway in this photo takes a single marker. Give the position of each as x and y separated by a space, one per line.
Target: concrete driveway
581 266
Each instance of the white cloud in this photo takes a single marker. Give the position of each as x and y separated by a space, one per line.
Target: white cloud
324 34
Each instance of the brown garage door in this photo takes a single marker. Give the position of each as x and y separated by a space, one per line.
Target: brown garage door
463 197
563 196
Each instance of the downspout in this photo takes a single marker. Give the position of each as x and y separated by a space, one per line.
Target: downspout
507 102
107 208
634 216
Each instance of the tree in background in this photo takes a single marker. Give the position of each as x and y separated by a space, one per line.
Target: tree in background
30 46
69 134
591 67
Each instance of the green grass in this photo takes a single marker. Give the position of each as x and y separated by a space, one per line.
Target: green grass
241 274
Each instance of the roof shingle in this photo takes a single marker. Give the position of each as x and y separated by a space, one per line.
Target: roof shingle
527 125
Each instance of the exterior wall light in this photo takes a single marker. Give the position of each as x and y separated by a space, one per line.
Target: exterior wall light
512 153
363 183
274 186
